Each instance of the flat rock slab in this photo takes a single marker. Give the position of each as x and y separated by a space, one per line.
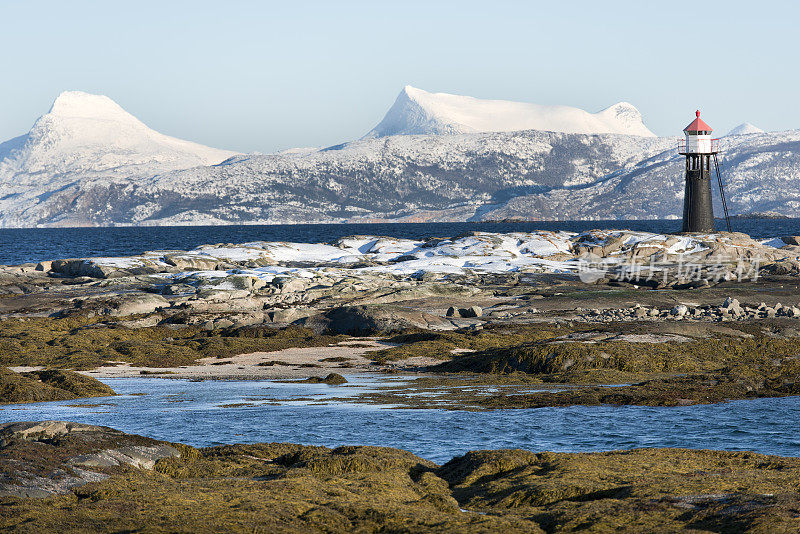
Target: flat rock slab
137 456
39 459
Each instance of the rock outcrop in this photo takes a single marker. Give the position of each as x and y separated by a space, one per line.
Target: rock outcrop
39 459
373 320
295 488
48 385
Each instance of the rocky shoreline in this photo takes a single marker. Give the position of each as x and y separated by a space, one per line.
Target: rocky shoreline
70 477
481 321
553 307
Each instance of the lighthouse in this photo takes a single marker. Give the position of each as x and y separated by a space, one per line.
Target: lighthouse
700 151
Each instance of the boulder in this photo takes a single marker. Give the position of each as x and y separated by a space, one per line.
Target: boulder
372 320
46 458
190 262
782 267
333 379
287 284
613 244
730 302
135 304
472 311
178 289
107 267
43 430
288 315
679 311
222 295
139 456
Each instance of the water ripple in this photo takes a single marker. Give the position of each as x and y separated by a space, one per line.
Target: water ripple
769 426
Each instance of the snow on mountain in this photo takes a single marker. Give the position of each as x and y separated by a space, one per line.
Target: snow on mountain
418 112
761 175
88 162
744 129
483 176
86 138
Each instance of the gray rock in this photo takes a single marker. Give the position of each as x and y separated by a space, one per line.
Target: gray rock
289 285
30 448
730 302
680 310
136 456
144 322
223 323
472 311
189 262
43 430
178 289
136 304
222 295
241 281
289 315
373 320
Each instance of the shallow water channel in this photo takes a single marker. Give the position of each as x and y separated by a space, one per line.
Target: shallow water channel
218 412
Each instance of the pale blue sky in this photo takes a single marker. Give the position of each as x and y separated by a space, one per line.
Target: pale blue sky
264 76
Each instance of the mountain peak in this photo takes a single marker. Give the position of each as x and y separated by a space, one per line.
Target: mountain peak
416 111
84 136
410 91
744 129
77 104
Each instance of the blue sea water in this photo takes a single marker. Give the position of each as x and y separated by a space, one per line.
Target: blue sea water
195 413
23 245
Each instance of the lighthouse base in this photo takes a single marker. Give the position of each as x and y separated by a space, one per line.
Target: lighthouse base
698 211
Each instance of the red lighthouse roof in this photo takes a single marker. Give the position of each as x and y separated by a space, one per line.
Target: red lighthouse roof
697 125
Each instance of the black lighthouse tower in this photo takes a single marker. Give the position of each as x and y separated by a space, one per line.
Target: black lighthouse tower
700 151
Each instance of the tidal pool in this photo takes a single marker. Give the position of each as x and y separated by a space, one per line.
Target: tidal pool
221 412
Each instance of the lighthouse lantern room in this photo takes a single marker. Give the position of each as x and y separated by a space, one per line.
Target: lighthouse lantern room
700 151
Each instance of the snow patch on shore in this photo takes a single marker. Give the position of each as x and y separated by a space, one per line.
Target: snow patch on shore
477 252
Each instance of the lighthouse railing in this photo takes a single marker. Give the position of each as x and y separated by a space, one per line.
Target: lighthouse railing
700 147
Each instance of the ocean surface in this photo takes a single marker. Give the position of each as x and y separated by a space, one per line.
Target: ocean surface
23 245
220 412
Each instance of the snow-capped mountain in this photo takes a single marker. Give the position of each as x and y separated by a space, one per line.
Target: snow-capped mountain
744 129
418 112
761 173
85 140
488 176
90 162
435 177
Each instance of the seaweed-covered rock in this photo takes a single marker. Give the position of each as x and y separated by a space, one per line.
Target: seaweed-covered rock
51 385
39 459
332 379
77 384
293 488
